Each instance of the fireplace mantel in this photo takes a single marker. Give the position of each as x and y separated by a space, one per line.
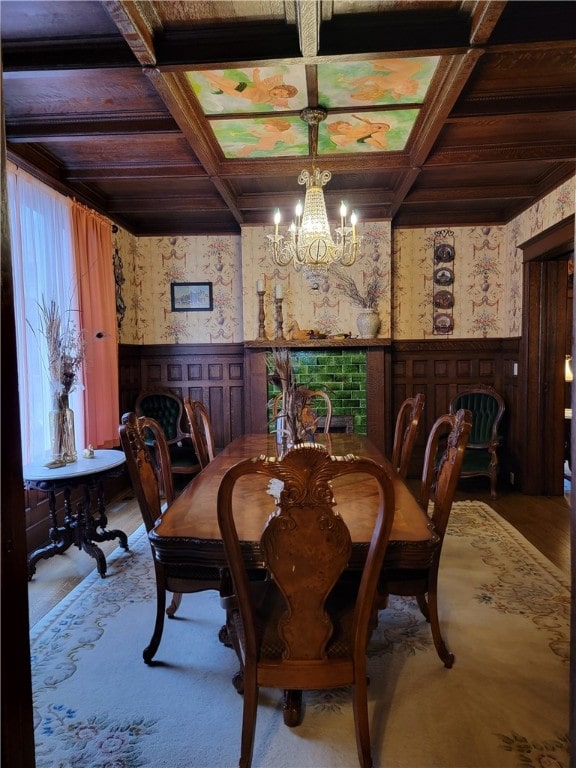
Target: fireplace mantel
377 354
315 343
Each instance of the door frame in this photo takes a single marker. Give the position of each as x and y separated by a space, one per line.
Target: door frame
542 349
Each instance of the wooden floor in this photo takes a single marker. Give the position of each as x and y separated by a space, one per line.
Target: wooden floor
543 520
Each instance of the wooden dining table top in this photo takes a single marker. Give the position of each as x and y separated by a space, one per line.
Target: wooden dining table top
187 535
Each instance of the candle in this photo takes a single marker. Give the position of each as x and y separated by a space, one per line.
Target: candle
276 221
298 212
279 291
260 286
353 220
342 214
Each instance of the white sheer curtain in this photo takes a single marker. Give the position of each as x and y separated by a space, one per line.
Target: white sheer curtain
43 268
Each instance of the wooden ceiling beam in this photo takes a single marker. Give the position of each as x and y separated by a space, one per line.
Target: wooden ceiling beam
469 156
55 55
51 129
138 23
485 15
173 90
153 170
175 204
489 192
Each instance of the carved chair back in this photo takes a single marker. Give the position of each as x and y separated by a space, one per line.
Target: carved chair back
407 424
303 628
201 430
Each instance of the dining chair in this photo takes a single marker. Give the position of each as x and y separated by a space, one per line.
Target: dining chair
439 480
165 407
161 459
481 454
200 429
310 415
146 465
302 628
407 424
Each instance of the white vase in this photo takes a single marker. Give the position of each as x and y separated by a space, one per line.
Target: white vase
368 322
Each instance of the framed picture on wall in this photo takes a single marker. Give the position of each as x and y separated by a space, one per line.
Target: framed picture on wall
191 297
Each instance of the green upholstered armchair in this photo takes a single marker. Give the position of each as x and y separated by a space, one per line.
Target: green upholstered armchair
481 454
167 409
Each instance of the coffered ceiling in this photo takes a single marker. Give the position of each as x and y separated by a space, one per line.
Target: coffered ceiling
184 117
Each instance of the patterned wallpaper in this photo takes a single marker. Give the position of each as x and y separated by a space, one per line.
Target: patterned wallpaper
486 281
312 301
151 264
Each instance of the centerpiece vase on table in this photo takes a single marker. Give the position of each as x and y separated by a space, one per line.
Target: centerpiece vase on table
289 428
62 436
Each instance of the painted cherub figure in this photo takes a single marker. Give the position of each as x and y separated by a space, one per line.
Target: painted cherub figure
274 131
269 90
397 81
367 131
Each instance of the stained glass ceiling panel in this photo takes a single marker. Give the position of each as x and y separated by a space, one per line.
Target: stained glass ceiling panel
228 98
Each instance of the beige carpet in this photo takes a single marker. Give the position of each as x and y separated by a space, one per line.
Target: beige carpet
56 576
504 704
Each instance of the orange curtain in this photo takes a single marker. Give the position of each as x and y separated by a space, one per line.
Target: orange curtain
93 253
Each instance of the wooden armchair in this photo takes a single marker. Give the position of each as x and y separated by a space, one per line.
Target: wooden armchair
167 409
145 472
481 454
407 423
297 630
439 480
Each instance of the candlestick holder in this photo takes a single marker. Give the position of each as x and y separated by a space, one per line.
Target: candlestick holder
261 317
279 333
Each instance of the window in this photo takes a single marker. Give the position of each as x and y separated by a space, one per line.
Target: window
43 270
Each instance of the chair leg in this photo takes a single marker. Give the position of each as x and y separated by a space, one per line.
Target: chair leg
174 605
493 476
423 605
360 705
292 708
248 721
152 647
441 649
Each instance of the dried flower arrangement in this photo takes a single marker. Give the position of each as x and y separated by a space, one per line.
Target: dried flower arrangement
347 286
295 423
66 347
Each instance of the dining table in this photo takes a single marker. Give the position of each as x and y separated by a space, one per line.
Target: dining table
187 537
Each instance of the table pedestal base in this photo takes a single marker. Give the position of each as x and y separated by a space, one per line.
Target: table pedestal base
80 528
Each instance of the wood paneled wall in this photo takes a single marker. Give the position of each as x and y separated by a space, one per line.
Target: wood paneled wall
231 382
212 373
439 369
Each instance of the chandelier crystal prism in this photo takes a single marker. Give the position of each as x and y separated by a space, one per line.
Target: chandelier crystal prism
309 241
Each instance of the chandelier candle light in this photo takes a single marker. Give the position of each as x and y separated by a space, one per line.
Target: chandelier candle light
309 242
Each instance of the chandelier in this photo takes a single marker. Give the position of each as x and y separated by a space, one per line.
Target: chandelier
309 241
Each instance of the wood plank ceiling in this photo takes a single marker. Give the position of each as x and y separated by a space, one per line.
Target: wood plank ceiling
157 113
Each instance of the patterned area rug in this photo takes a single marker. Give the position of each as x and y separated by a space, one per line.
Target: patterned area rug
504 704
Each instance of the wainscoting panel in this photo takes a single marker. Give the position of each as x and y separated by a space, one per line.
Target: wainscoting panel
439 369
211 373
231 381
